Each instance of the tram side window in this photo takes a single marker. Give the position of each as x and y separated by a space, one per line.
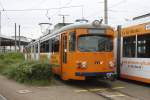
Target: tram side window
33 49
36 48
129 44
50 45
72 41
143 46
44 47
55 45
47 46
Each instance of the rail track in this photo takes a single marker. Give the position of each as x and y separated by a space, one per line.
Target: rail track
105 90
110 93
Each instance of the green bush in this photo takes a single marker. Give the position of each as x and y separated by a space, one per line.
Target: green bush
14 67
30 72
1 56
14 55
9 59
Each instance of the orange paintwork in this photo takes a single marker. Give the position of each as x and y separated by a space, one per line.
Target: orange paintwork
136 78
55 61
67 71
110 32
43 57
136 29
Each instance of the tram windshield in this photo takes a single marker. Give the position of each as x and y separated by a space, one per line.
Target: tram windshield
95 43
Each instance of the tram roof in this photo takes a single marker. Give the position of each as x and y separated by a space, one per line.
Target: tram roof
70 27
137 21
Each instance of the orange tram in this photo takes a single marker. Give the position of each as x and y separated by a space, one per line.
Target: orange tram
77 51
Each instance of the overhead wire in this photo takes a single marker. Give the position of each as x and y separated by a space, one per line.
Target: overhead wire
117 4
39 3
2 6
40 9
45 9
68 3
3 9
47 12
47 15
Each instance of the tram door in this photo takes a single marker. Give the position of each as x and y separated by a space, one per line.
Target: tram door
63 54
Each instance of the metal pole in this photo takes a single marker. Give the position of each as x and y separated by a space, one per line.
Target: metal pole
118 49
15 39
63 16
0 22
106 11
0 32
82 12
10 45
19 38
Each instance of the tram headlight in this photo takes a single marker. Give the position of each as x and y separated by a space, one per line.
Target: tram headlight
111 64
81 64
84 64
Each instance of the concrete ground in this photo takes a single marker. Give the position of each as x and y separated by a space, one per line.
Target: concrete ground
76 90
2 97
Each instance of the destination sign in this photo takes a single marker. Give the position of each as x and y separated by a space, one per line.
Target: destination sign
147 27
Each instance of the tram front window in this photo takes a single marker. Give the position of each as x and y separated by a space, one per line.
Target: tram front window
95 43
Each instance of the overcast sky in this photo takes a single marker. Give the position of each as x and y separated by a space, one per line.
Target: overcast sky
118 11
